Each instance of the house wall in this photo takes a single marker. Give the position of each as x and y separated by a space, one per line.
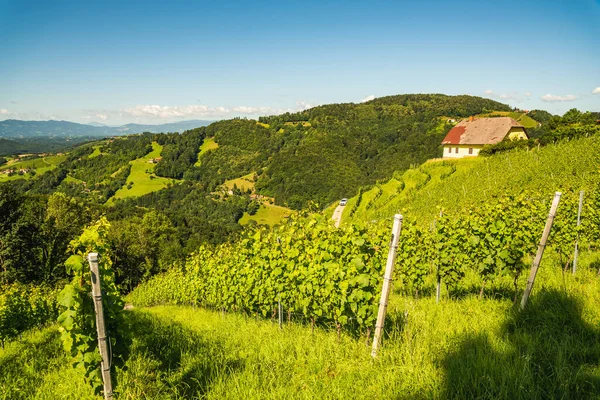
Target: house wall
463 151
517 133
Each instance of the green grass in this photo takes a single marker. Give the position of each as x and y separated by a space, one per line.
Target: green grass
462 348
244 183
40 165
570 165
140 177
267 214
70 179
96 151
207 145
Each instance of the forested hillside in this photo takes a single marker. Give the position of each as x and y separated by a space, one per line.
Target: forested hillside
328 152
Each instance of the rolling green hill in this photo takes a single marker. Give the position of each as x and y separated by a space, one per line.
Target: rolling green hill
328 152
458 184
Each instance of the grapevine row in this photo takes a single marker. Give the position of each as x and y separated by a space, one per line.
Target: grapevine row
335 275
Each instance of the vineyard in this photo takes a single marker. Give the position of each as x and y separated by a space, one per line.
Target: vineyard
209 331
332 277
23 308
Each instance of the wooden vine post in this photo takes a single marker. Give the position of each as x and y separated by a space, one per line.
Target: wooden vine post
280 312
100 327
576 254
541 248
438 286
387 283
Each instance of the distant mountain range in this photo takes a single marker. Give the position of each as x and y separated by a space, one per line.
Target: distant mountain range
16 129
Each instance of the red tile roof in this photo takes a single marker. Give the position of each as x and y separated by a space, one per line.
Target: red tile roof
481 131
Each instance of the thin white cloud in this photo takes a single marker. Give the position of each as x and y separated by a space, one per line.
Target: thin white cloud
155 111
368 98
506 96
553 98
301 106
102 117
4 111
165 112
596 91
252 110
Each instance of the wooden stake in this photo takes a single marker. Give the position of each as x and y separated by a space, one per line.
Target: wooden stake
576 254
100 327
438 286
541 248
280 312
387 283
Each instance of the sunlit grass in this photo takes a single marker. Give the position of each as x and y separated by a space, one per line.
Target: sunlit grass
207 145
461 348
142 178
40 165
267 214
244 183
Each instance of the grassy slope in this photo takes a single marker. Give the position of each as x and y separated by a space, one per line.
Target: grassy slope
208 144
141 170
566 166
97 151
244 183
465 348
267 214
40 165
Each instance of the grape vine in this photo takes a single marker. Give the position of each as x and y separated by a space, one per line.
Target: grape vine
77 319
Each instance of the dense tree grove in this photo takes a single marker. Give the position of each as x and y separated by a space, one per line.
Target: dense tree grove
180 152
35 232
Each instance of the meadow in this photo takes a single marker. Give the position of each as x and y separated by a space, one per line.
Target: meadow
207 145
40 165
141 179
567 166
267 214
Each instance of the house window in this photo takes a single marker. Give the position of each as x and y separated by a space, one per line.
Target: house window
456 150
470 150
449 150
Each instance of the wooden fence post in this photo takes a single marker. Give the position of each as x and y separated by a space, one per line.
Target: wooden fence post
280 312
100 327
387 283
438 286
541 248
576 254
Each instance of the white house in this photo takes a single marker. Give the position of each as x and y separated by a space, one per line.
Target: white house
469 136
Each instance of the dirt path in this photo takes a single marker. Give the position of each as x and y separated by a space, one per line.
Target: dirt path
337 215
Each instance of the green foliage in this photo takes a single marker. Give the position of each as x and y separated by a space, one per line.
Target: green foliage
336 149
24 307
197 217
540 116
331 275
322 273
180 152
77 319
34 234
507 144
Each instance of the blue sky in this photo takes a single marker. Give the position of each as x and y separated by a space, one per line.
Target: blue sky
152 62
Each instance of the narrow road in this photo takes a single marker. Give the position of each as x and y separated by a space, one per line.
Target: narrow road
337 215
